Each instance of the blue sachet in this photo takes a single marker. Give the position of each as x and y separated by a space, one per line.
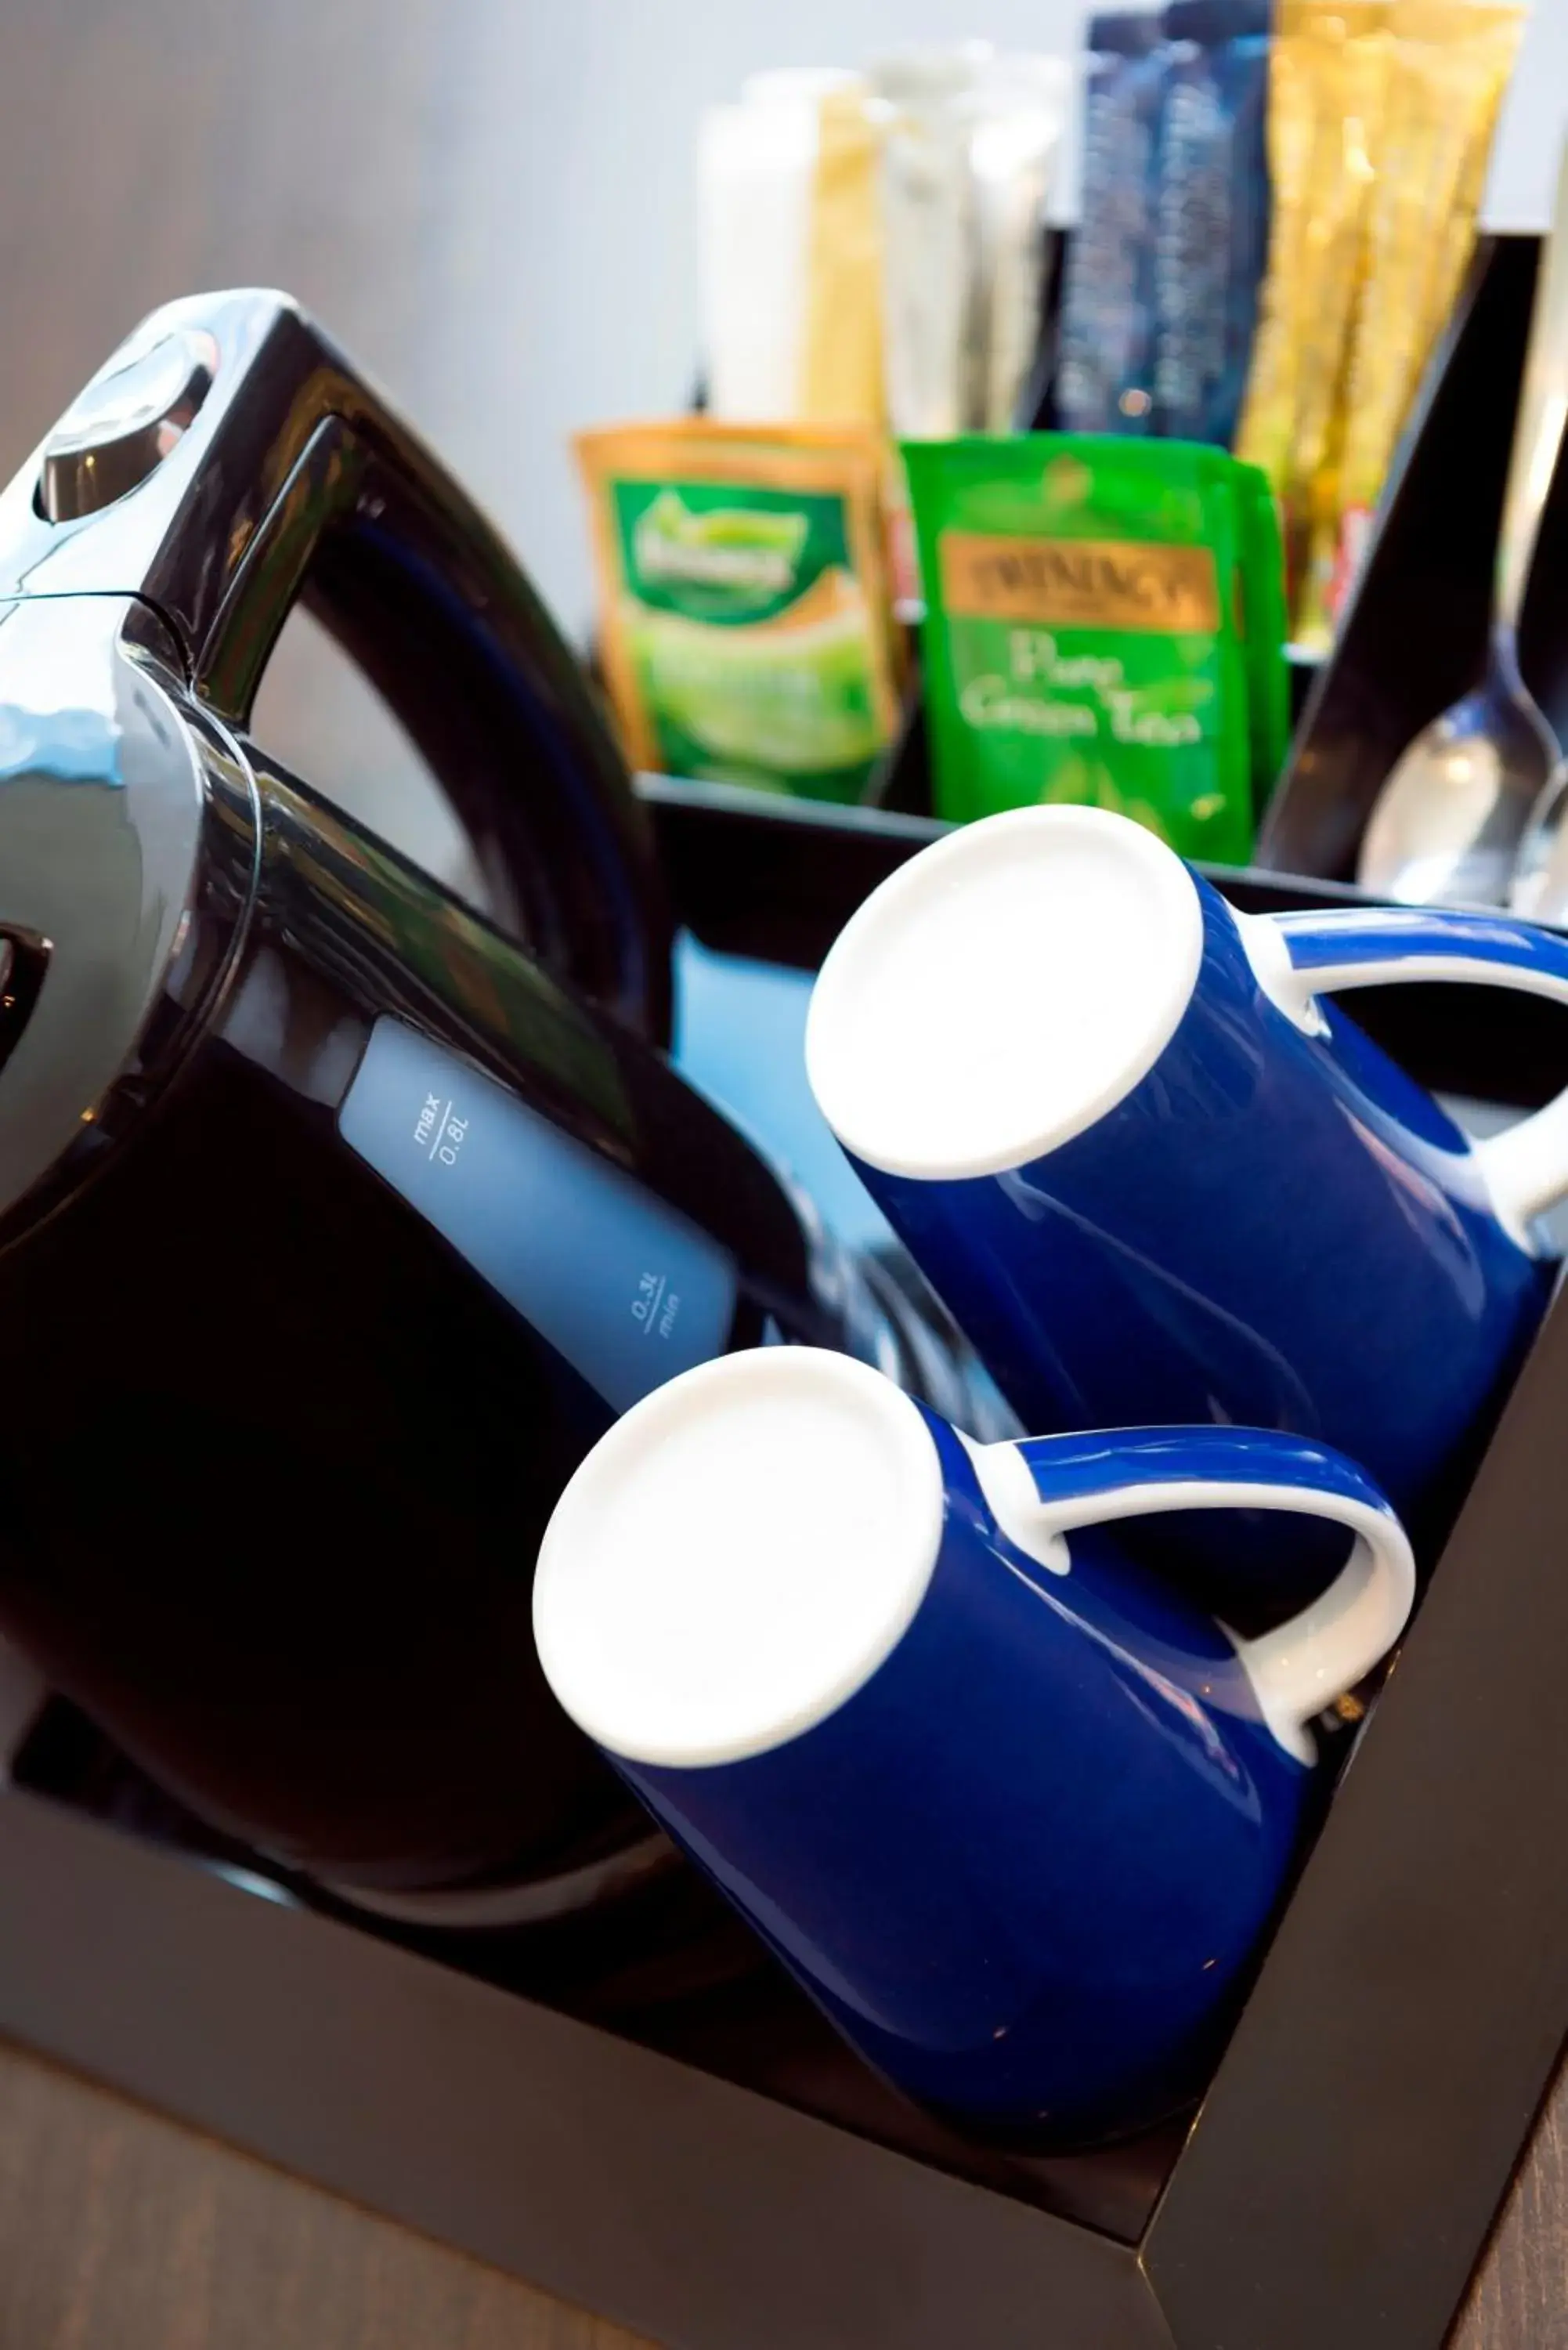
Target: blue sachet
1212 213
1105 380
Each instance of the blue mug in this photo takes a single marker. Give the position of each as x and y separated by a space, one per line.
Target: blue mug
1015 1813
1154 1178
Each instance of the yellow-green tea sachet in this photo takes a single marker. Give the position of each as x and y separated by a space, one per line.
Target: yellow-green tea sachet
746 629
1086 639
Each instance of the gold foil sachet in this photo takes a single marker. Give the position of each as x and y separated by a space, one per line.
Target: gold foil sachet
1328 78
1450 61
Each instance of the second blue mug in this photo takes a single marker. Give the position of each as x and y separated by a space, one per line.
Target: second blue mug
1155 1177
1016 1815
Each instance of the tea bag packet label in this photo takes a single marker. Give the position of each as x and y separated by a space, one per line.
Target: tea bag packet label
1449 65
699 550
1085 583
1211 224
750 634
1328 87
759 169
925 205
841 355
1081 641
1327 83
746 631
1106 377
1017 117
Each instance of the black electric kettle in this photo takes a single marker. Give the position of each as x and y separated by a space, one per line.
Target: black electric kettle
335 1225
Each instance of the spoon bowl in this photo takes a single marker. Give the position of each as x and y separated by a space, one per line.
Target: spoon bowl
1447 823
1449 820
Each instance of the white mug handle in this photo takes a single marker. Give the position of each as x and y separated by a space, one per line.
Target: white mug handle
1298 957
1040 1488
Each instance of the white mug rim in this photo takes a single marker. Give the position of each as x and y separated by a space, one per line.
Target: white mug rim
729 1700
877 1111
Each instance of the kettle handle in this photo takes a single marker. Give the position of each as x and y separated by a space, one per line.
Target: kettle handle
293 480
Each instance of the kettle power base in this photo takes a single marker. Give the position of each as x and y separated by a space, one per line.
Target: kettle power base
697 2157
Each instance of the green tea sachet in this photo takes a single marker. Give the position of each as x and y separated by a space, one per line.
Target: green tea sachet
746 623
1086 604
1264 626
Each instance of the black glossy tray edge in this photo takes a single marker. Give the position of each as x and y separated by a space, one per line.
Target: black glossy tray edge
1342 2174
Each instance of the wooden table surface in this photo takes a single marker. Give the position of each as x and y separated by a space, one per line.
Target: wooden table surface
120 2231
363 155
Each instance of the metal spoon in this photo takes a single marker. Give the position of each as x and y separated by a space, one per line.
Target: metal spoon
1448 821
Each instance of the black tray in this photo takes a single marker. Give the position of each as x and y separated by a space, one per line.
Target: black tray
717 2172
